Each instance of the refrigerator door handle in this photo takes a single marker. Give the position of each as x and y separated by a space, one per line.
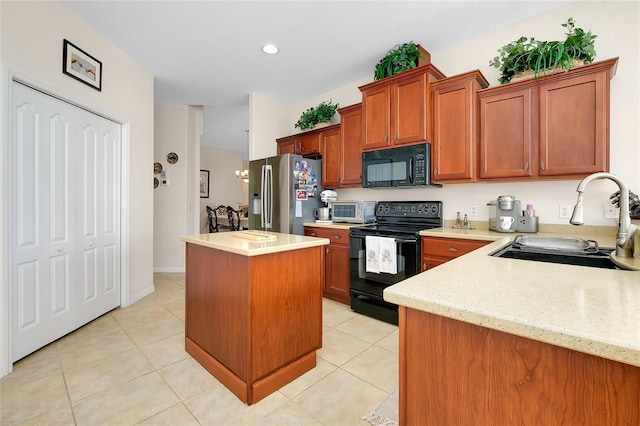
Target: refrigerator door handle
267 196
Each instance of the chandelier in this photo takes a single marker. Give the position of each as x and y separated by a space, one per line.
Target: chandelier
244 175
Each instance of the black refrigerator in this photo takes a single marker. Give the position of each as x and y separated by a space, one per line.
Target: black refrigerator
284 192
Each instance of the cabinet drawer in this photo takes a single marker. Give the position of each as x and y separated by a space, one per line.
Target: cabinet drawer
449 247
336 236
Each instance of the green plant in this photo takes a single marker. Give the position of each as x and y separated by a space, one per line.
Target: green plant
526 54
314 115
401 58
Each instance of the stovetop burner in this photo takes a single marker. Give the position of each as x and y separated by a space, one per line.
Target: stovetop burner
404 217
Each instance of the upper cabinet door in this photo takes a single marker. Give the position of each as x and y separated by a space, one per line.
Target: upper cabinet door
376 117
574 126
351 135
409 110
332 158
506 134
454 147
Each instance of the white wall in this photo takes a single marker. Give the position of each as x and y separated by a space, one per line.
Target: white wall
177 129
226 127
32 34
617 26
224 187
267 122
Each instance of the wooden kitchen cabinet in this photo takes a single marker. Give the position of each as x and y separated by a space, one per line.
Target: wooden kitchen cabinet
454 145
456 373
342 152
308 144
331 158
394 109
288 145
337 276
556 126
437 250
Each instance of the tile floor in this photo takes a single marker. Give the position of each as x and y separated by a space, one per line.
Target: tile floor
129 367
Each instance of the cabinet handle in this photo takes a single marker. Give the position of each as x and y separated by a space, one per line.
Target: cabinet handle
59 249
453 249
435 172
526 165
424 266
542 165
385 138
395 137
337 237
313 234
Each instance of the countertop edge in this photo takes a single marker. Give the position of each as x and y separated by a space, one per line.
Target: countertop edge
226 242
407 294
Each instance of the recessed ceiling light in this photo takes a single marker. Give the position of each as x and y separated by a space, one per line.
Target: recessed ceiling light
270 49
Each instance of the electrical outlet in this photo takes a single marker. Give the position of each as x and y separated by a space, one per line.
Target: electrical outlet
610 211
565 211
473 211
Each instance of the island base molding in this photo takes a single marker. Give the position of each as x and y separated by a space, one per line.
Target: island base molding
455 373
250 393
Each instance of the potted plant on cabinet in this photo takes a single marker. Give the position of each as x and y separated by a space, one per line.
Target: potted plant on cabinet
401 58
316 115
528 58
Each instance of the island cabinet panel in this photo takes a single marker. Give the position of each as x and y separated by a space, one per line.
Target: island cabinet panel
337 284
556 126
254 322
436 250
456 373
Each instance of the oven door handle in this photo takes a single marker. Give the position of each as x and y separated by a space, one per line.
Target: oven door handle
398 240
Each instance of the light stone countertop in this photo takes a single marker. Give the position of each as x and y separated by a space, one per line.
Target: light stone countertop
334 225
591 310
234 243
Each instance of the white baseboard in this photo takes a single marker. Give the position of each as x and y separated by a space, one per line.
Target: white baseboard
168 269
141 295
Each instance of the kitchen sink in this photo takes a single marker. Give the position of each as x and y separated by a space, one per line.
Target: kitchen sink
597 259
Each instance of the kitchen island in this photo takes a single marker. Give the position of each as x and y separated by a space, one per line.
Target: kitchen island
486 340
254 308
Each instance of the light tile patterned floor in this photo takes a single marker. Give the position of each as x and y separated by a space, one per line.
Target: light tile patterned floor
129 367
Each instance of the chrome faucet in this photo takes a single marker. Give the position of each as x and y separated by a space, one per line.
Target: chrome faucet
624 239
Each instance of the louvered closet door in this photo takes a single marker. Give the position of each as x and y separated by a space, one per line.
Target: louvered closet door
50 296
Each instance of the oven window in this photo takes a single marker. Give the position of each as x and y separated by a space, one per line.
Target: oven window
381 277
407 254
387 172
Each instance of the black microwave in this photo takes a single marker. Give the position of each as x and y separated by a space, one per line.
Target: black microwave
397 167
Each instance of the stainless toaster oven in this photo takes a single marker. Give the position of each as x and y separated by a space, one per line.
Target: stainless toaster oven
353 211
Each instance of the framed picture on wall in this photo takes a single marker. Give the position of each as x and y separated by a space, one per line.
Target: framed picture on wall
204 183
80 65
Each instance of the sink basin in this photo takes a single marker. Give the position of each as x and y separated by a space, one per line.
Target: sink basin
598 258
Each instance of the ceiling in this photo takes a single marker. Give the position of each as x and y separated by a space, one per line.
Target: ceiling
209 52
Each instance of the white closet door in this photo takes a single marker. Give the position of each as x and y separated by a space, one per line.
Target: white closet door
98 214
49 295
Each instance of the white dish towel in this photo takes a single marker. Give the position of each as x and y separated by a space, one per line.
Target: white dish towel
373 253
388 256
381 255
